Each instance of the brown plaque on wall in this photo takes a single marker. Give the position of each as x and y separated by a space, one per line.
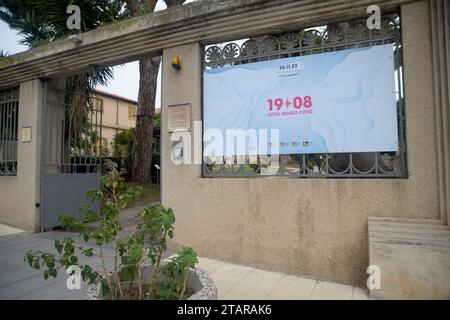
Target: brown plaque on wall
179 117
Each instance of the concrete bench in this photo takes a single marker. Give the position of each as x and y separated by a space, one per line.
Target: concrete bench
413 256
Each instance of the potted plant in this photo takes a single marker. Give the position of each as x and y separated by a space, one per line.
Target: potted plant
138 270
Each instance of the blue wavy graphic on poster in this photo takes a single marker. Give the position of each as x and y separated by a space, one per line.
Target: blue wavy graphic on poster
334 102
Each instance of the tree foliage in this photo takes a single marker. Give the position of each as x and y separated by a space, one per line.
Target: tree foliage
43 21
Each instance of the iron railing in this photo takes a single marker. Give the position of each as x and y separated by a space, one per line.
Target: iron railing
73 133
9 115
340 36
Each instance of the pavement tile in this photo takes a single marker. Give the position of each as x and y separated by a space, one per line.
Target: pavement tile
26 285
227 276
8 230
44 295
360 294
9 278
7 242
293 288
6 267
10 293
209 265
325 290
256 285
19 281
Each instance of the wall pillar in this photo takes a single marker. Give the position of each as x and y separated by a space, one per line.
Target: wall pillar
21 193
179 87
440 34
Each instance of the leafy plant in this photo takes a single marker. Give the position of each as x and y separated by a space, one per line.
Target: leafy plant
145 246
123 148
177 275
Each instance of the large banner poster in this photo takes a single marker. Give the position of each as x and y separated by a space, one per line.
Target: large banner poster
332 102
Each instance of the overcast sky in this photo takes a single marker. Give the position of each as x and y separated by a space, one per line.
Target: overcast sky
126 77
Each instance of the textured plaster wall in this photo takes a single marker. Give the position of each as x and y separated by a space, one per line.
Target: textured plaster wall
19 194
315 227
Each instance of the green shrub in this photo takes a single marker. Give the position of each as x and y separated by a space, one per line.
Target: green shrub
145 245
123 148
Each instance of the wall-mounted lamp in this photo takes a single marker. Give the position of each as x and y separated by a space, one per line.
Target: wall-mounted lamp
176 63
75 38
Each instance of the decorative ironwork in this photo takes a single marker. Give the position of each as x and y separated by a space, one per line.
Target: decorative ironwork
9 115
341 36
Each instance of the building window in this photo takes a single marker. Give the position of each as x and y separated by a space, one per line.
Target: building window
98 105
310 41
132 111
9 107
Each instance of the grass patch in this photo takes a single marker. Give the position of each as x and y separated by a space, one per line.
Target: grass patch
150 193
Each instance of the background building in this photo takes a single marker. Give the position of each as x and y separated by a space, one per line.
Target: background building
118 113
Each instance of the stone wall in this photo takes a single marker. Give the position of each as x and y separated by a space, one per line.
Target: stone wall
315 227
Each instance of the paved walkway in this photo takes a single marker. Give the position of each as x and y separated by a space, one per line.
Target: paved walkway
7 230
237 282
19 281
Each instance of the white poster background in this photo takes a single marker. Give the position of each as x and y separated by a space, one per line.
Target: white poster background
352 94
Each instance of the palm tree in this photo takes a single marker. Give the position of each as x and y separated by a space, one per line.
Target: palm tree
42 21
21 16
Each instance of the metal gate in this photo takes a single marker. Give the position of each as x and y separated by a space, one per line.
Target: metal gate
71 153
